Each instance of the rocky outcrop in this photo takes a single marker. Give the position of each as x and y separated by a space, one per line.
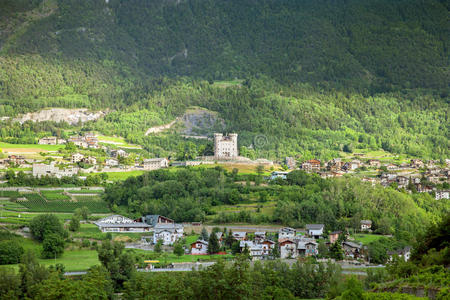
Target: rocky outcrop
71 116
194 123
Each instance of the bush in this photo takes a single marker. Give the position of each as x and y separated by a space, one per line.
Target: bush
85 243
43 225
52 246
10 252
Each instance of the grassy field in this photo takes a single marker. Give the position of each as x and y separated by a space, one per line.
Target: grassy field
10 148
116 140
118 176
366 238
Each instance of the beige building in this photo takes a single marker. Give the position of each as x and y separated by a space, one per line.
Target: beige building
155 163
225 147
53 170
76 157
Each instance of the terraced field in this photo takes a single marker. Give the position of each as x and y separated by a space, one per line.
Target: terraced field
56 201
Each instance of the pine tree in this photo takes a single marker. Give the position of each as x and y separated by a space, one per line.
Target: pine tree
213 245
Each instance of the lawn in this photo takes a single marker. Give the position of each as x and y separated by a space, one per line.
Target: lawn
75 260
29 147
366 238
191 239
116 140
89 231
118 176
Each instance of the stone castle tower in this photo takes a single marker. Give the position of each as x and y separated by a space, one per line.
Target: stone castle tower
225 147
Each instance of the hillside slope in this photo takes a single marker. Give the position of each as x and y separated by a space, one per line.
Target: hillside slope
311 76
366 44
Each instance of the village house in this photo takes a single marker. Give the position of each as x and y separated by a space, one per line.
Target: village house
306 247
225 147
16 159
286 233
402 181
391 167
278 174
76 157
312 165
335 164
117 223
50 140
366 225
267 247
423 188
168 233
89 160
445 194
288 248
374 163
404 253
240 235
78 141
119 153
255 250
315 230
52 170
154 220
334 236
155 163
417 163
352 249
200 247
353 165
111 162
260 236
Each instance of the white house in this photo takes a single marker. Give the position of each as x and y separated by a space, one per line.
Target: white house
442 195
168 233
240 235
52 169
117 223
286 233
278 174
315 230
288 249
366 225
255 250
76 157
155 163
111 162
267 247
199 247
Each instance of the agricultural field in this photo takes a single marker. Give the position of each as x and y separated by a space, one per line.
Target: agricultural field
28 150
117 141
119 176
56 201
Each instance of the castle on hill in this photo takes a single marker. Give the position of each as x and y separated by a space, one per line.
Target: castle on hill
225 147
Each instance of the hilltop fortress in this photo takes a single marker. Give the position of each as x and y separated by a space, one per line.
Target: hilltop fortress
225 147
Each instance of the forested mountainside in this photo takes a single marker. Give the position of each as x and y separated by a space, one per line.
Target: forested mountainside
312 76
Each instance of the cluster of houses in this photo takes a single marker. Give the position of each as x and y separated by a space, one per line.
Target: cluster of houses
290 243
402 175
163 228
259 245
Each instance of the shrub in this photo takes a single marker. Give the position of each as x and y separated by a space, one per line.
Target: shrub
10 252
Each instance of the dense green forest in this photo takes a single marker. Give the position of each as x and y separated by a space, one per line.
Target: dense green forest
314 75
